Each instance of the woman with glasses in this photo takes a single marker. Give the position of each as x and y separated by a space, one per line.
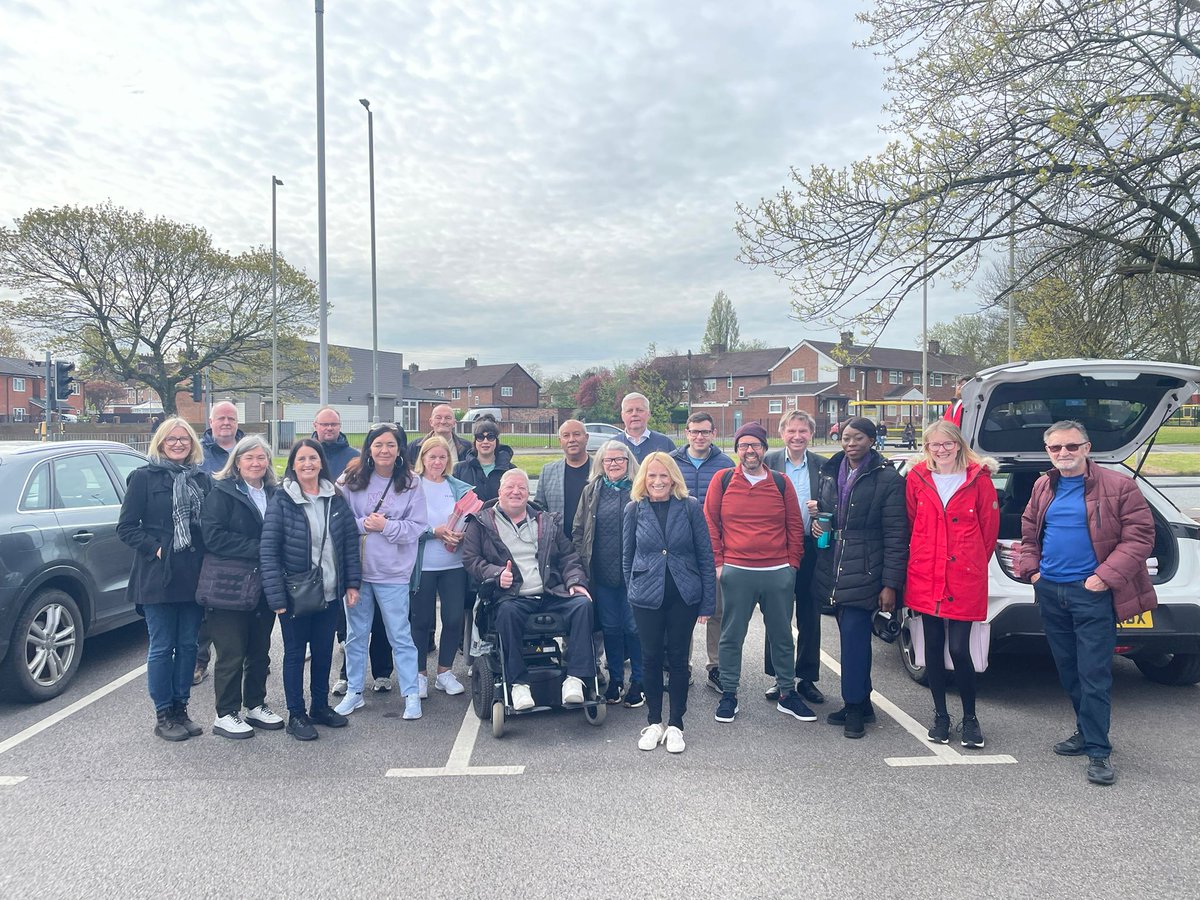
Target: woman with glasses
597 535
955 519
487 460
161 520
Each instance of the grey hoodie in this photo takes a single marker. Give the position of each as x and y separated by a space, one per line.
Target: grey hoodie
316 513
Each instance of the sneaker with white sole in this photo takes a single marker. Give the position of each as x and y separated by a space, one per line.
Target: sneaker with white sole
349 704
652 736
572 690
340 687
674 739
422 686
232 726
448 683
522 698
412 707
382 684
264 717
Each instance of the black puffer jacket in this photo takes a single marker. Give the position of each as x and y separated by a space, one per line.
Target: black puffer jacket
487 487
873 552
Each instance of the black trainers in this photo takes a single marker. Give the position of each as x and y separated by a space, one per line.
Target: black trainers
972 734
167 728
939 732
179 711
855 719
809 691
301 728
794 707
727 709
634 696
772 693
839 717
714 679
323 715
612 696
1100 771
1072 746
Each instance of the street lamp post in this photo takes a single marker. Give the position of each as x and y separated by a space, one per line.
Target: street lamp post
322 249
374 283
275 182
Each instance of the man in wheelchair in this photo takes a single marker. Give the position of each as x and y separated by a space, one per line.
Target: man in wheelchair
524 551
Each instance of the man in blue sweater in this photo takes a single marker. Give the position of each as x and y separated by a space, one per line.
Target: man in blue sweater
635 413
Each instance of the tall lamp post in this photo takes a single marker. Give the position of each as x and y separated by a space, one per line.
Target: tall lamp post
275 182
374 283
322 250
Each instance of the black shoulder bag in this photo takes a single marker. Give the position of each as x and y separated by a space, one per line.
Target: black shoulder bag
306 591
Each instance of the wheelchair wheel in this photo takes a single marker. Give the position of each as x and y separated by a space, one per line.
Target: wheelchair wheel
596 714
483 687
498 719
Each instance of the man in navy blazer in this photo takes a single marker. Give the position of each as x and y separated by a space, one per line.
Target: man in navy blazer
802 467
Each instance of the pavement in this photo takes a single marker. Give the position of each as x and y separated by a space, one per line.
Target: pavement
93 804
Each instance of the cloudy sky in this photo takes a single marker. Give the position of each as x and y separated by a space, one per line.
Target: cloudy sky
556 180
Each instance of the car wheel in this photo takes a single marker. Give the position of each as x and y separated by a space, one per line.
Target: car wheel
47 645
1171 668
908 654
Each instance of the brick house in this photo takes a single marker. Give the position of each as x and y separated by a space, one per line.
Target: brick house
505 385
722 383
23 392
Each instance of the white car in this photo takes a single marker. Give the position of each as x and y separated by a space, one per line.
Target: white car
1122 403
599 433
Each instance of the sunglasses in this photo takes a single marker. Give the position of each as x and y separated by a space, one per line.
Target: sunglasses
1055 448
486 436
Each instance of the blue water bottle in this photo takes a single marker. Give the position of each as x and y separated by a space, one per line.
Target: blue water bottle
826 520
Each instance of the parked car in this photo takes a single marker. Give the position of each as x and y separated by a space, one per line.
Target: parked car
598 433
63 570
1122 403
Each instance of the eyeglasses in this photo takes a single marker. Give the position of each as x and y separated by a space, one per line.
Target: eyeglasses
941 445
1055 448
327 424
177 440
744 446
614 461
700 432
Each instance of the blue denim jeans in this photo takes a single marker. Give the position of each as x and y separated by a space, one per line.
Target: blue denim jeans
1081 628
171 657
620 632
392 600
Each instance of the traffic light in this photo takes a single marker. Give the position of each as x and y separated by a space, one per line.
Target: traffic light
63 379
198 387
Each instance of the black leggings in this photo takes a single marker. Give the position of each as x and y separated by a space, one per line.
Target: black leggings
960 654
670 627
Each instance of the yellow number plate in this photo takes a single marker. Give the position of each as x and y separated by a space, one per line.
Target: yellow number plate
1142 620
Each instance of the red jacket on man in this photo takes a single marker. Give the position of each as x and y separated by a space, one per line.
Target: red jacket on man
950 546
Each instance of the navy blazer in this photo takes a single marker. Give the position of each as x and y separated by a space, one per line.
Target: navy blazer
685 548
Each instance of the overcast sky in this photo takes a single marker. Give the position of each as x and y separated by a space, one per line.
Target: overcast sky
556 180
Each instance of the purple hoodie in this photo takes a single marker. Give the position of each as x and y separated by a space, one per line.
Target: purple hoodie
388 556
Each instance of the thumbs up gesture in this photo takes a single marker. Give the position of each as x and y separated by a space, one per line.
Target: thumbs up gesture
506 577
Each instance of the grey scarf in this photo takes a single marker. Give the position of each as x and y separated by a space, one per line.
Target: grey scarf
186 500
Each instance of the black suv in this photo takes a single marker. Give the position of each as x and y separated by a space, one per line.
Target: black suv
63 570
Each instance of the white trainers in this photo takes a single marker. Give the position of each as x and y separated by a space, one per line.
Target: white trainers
422 686
652 736
572 690
674 740
349 704
340 687
264 717
412 707
382 684
521 697
448 683
232 726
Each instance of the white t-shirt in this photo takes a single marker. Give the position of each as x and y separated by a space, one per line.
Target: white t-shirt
947 484
439 502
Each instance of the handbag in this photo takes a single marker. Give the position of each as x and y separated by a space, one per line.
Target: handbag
306 590
980 644
229 583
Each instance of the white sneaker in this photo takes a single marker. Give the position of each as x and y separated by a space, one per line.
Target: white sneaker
264 717
232 726
349 705
382 684
422 686
652 736
412 707
674 740
448 683
572 690
340 687
521 697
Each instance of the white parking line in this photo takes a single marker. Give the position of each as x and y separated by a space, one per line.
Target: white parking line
459 762
10 780
941 754
38 727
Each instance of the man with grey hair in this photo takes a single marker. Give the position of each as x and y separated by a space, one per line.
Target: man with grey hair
635 413
562 481
441 422
1085 538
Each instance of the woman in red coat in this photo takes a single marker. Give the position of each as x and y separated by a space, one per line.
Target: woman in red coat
955 521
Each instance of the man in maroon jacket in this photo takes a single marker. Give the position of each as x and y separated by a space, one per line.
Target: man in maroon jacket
1085 538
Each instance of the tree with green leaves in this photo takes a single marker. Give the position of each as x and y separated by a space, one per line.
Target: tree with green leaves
722 330
154 302
1074 123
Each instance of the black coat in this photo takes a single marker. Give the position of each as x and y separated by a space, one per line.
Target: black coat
873 553
146 526
232 524
487 487
286 546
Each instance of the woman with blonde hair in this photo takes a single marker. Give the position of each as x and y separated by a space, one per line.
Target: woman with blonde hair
667 560
955 520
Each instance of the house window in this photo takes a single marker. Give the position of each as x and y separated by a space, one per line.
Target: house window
894 377
455 393
18 414
440 392
892 410
710 384
18 385
791 402
741 391
729 382
774 406
505 391
797 375
917 378
936 378
853 374
879 376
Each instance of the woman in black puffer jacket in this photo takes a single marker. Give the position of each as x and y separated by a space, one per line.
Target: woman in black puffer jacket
864 564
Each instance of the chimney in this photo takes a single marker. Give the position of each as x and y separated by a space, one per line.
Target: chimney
413 368
847 339
935 346
717 349
471 363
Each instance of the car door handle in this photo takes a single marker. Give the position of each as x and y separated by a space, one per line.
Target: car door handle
83 536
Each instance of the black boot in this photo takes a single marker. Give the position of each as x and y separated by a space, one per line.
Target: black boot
179 711
167 728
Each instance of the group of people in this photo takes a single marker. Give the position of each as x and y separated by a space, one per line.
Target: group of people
633 547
